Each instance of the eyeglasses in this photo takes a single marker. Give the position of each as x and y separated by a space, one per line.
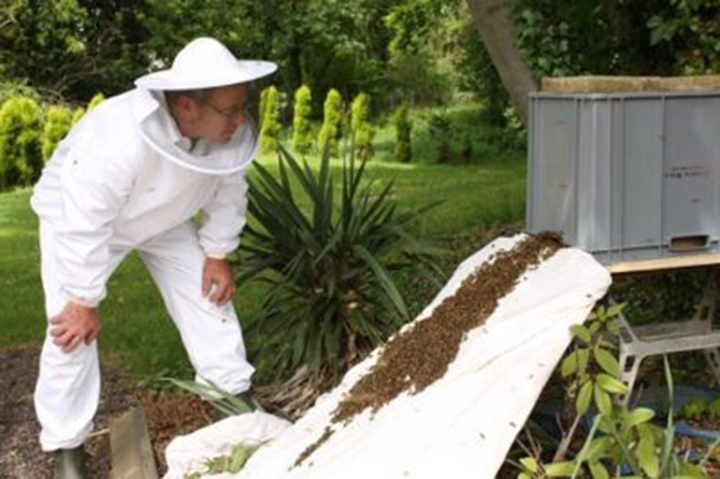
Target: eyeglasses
230 113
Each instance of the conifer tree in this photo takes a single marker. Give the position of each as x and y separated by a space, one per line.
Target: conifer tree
330 131
362 130
302 139
270 125
403 131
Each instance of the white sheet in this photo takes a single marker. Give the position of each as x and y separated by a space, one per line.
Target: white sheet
462 425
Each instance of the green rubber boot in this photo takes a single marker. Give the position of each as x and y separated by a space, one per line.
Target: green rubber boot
69 463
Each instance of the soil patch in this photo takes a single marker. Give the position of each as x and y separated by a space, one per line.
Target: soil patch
20 453
167 415
171 415
418 357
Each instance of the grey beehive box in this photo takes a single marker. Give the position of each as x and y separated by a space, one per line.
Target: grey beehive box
626 175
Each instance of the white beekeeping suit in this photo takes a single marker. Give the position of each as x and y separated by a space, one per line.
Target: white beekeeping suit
126 179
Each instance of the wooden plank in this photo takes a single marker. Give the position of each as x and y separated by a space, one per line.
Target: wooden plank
665 264
612 84
132 454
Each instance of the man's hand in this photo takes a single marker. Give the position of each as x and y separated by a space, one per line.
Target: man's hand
218 279
74 324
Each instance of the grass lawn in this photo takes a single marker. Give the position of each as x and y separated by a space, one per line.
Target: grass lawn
137 331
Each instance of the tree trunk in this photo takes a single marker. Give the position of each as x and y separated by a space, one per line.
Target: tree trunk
493 21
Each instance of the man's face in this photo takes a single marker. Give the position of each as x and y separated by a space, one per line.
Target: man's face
220 115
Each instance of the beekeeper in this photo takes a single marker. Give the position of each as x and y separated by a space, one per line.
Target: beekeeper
132 175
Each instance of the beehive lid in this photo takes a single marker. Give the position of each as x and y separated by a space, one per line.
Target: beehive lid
614 84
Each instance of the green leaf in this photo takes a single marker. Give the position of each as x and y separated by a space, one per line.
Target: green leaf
669 380
615 309
529 463
569 365
602 400
690 471
607 361
647 457
607 425
239 456
638 416
611 385
584 359
583 400
598 448
613 326
581 332
224 401
560 469
598 471
384 279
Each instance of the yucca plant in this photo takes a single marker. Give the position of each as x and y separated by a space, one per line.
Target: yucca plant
331 295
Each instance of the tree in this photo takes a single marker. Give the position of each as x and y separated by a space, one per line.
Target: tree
74 47
330 130
79 47
302 139
493 21
270 125
403 134
362 130
319 43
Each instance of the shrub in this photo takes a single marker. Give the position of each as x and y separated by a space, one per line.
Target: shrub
619 437
11 88
330 131
403 131
20 150
57 126
302 139
442 133
270 125
362 130
331 297
77 115
95 101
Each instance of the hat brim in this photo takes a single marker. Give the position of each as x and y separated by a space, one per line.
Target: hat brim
244 72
